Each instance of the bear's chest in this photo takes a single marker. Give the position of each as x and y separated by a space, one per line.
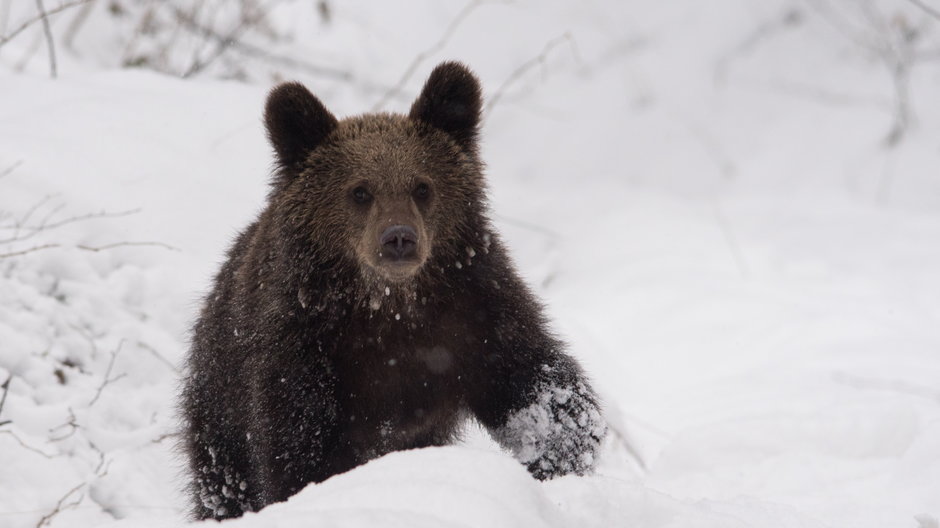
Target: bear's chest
402 382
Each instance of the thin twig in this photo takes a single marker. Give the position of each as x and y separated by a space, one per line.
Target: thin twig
163 437
77 22
107 375
932 11
825 97
6 172
714 150
101 459
530 226
898 56
627 446
226 42
89 216
49 41
159 356
28 447
187 21
3 399
766 30
27 251
839 24
52 212
60 506
18 224
46 225
731 241
22 27
86 248
87 334
422 56
71 423
126 244
525 67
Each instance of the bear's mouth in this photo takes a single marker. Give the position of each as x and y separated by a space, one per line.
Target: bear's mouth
398 270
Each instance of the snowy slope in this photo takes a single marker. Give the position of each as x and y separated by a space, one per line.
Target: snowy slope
701 192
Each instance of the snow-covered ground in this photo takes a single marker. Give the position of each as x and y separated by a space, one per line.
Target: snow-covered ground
704 193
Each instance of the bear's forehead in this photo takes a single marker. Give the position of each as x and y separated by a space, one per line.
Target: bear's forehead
379 128
387 145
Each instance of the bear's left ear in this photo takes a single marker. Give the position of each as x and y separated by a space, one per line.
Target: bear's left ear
296 122
451 101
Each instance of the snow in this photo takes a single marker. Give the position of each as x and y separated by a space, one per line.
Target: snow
702 194
559 433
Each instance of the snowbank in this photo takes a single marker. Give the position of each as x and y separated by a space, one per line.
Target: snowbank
701 193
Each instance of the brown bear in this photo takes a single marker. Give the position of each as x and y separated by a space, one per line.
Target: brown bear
372 308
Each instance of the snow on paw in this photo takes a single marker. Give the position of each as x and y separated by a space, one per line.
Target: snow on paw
558 434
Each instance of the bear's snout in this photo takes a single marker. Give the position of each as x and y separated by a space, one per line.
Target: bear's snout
398 242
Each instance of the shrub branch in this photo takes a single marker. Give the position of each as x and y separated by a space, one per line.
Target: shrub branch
40 17
3 399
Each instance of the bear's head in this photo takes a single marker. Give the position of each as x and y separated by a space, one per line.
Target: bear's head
384 192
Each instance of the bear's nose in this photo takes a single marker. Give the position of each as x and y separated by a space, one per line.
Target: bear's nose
399 242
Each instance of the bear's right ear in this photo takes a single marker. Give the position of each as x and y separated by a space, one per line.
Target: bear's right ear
296 122
451 101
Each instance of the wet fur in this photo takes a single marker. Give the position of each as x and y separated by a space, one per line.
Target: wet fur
305 363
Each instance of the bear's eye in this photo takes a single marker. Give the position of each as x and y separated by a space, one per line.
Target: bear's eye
422 191
361 195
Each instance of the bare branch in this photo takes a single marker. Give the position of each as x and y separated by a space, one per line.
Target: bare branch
75 25
825 97
526 66
551 235
7 171
81 218
18 224
102 468
86 248
126 244
61 505
49 41
187 21
627 446
900 78
27 251
87 334
733 247
763 32
3 399
159 356
163 437
842 27
45 224
895 45
28 447
226 42
43 15
107 375
71 424
932 11
22 229
52 212
422 56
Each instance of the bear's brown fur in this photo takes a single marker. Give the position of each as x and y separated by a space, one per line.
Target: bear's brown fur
372 308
